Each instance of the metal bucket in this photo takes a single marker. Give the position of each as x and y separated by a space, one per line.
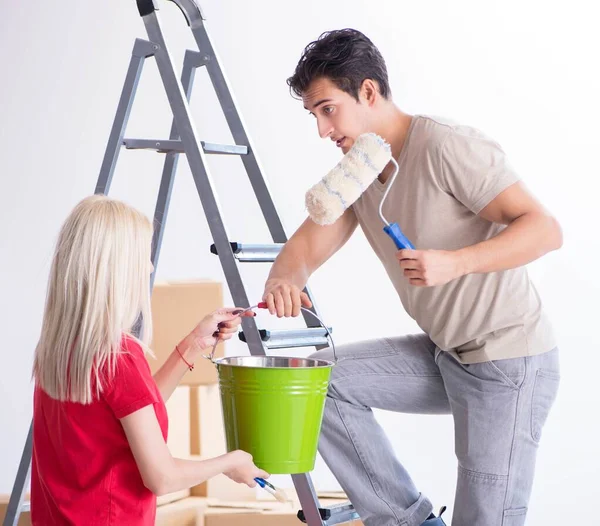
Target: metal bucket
273 408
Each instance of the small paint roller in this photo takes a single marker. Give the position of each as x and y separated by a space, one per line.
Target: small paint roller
341 187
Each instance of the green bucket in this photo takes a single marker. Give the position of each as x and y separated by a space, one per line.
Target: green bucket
273 408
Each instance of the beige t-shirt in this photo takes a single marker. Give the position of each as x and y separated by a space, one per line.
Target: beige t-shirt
448 174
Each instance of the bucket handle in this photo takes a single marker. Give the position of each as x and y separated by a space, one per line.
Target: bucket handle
326 330
263 305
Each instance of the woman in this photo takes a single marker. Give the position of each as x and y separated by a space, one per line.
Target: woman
100 422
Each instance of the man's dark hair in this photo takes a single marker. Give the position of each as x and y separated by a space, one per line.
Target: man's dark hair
344 56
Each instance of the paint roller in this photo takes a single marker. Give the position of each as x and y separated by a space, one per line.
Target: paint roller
341 187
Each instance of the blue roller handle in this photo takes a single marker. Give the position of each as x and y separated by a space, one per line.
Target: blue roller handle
401 241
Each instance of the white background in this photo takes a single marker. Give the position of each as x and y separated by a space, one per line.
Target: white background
524 72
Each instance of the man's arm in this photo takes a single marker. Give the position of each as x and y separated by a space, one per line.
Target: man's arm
531 232
309 247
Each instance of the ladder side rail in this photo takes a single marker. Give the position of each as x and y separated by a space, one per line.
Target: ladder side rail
142 49
201 175
161 211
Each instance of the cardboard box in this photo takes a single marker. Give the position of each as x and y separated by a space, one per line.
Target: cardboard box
278 515
244 505
177 307
290 491
223 488
25 517
178 410
163 500
186 512
219 513
207 432
178 441
195 511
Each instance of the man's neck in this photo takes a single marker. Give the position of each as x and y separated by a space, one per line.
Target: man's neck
394 131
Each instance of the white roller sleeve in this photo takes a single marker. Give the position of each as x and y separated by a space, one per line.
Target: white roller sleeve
342 186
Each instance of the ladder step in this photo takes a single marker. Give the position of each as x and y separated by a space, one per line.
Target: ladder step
171 146
337 514
253 253
289 338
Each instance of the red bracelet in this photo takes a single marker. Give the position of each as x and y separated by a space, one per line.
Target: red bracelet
190 366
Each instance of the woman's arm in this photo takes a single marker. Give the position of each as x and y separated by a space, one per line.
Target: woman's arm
167 378
163 474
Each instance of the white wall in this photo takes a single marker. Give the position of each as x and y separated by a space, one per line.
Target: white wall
525 72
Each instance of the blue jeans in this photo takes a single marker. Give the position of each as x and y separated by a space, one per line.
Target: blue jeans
499 409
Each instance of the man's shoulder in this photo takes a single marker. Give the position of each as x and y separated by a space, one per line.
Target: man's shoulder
436 130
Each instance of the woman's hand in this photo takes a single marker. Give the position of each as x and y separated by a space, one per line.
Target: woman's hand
220 325
243 470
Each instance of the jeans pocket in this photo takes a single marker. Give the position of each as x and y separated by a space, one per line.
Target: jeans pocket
514 517
511 371
545 390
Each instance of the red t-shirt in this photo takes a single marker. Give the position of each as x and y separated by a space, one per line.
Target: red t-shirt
83 471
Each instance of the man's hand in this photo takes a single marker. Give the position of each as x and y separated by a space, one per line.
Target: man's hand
427 268
284 298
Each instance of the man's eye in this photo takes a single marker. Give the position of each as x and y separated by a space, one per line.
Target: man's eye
328 110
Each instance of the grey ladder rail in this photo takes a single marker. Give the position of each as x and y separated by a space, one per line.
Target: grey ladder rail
183 138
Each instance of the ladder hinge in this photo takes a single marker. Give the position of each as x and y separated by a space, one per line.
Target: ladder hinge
146 7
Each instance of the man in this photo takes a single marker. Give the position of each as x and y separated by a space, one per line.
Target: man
487 354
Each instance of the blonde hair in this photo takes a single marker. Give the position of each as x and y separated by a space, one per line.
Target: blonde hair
99 286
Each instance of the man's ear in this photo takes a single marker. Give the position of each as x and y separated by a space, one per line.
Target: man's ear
369 92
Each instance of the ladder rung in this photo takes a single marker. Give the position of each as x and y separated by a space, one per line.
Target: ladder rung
176 146
224 149
289 338
337 514
253 253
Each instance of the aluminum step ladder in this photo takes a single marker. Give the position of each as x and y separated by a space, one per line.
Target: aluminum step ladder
183 139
